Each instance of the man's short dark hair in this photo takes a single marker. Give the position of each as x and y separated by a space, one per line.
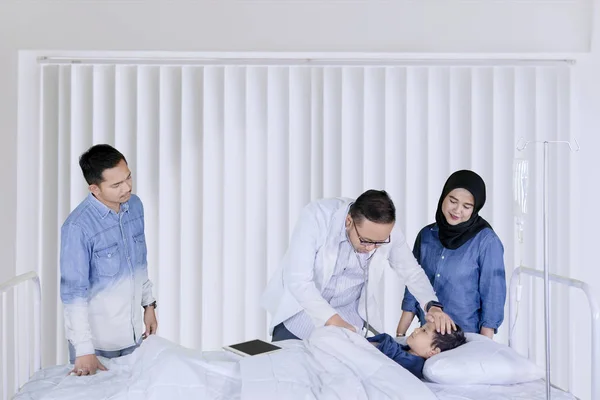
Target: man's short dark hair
96 159
374 205
450 340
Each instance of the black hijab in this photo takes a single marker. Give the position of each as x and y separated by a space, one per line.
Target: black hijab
454 236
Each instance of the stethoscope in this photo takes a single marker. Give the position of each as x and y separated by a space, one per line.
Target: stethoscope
365 269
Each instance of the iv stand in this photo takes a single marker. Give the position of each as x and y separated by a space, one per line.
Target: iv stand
521 145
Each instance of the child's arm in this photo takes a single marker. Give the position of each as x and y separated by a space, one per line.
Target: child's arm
388 346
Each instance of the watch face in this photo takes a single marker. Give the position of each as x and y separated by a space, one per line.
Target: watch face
434 304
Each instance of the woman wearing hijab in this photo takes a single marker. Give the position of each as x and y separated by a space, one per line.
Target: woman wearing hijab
463 258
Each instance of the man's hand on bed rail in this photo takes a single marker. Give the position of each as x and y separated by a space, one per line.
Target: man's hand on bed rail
443 322
87 365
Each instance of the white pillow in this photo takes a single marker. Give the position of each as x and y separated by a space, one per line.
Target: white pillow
480 361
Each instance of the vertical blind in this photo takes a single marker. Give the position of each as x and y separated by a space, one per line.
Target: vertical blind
224 158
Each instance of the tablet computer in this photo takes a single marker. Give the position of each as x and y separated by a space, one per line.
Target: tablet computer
252 348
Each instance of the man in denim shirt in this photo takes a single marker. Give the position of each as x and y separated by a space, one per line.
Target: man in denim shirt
103 265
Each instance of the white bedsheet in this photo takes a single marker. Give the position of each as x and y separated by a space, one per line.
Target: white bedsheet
535 390
333 364
159 369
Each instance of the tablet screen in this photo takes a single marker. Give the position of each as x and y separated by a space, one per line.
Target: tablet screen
254 347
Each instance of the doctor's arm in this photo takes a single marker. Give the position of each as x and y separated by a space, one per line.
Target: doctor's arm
299 269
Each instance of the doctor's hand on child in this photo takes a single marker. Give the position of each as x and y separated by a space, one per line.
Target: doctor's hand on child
443 322
336 320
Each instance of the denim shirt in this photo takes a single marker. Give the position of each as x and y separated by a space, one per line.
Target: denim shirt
469 281
104 275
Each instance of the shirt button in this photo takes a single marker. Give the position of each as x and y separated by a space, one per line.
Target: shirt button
109 255
438 275
443 257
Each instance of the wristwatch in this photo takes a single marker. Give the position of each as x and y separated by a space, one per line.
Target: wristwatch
434 304
153 304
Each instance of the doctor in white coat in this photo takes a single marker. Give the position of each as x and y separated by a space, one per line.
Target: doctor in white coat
335 259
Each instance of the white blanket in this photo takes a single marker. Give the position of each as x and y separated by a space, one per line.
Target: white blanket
332 364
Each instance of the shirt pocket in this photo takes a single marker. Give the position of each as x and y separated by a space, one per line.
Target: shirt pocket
108 261
141 251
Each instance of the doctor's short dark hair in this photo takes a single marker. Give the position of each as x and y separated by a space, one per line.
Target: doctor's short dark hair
374 205
96 159
450 340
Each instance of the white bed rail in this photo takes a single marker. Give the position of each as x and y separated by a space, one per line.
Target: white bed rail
25 287
594 308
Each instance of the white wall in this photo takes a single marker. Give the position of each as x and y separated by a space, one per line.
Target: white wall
333 25
265 25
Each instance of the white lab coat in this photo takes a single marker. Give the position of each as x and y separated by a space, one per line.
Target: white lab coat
298 284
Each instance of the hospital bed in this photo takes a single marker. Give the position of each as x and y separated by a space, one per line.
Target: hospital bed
222 370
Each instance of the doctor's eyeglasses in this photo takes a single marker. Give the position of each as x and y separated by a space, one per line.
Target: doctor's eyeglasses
365 242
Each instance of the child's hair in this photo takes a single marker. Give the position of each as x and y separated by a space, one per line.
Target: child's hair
450 340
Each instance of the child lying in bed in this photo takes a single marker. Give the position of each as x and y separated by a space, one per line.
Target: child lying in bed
423 343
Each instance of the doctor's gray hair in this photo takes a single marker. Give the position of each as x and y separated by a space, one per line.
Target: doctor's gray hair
374 205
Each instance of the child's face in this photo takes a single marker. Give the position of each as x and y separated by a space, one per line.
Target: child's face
420 341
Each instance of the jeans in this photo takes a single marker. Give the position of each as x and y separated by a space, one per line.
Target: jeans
280 332
104 353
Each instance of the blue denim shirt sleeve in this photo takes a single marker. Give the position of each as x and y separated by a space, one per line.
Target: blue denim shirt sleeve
74 288
492 282
74 265
147 297
409 303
